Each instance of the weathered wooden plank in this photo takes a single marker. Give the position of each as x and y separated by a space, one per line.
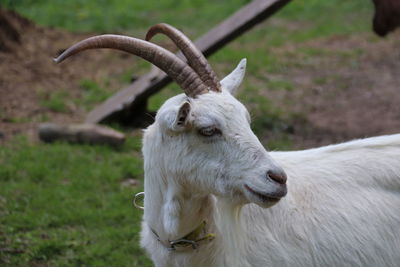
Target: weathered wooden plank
131 101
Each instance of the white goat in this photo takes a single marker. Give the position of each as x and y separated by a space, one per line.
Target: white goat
213 193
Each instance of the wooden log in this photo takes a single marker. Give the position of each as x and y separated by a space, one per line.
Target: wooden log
80 133
131 101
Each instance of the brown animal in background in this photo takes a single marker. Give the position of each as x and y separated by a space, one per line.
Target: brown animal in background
387 16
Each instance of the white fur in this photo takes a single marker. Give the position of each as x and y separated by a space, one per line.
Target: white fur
342 206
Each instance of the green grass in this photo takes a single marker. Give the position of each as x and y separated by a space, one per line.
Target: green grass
63 205
122 15
92 94
55 101
315 17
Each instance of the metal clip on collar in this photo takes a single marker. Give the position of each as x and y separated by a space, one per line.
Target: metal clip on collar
184 242
135 200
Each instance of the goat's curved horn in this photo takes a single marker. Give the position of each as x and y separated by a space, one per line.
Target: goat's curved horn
177 69
194 56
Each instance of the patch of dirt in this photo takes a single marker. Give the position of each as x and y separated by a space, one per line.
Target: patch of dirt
351 89
28 76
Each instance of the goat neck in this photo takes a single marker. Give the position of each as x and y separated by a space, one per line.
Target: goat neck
170 209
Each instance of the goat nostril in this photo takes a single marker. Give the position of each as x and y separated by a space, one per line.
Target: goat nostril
277 177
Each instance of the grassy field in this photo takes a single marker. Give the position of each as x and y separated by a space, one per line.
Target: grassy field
65 205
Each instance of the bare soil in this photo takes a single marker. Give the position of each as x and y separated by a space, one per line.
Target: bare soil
342 94
28 76
351 90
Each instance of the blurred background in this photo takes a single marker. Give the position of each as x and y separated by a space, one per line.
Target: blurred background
316 75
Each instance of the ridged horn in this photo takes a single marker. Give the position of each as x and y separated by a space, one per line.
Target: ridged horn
177 69
193 55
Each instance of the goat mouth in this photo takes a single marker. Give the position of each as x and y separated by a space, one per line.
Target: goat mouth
263 196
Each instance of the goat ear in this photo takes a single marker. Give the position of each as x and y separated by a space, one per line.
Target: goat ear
182 115
235 78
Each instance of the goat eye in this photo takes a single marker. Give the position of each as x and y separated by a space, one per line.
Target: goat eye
209 131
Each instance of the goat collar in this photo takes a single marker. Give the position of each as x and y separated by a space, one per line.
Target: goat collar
192 240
